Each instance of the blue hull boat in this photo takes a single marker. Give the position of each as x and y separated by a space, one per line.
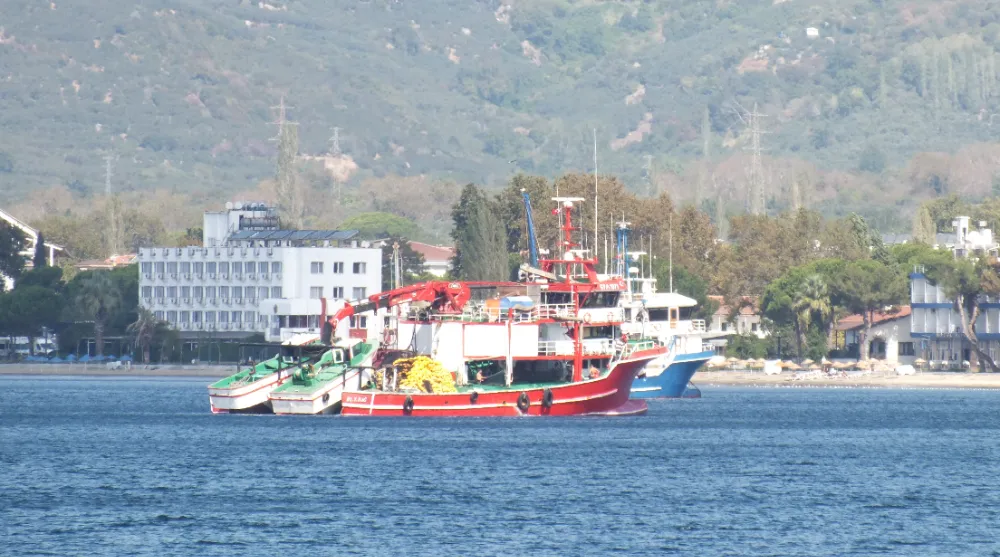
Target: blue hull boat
674 381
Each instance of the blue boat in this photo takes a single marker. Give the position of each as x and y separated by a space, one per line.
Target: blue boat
674 381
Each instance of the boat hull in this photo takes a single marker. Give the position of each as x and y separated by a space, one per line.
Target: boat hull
246 398
594 396
673 381
324 400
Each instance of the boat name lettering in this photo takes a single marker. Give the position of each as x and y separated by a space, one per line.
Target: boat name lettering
609 286
361 399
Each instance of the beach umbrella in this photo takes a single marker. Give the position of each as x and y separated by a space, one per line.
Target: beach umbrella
793 366
919 361
808 362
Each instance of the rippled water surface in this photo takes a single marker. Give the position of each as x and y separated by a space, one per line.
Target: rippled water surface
140 467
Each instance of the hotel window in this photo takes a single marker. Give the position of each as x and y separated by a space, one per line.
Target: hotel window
237 317
262 267
185 316
172 316
358 293
186 267
209 291
196 317
360 268
147 291
209 317
171 292
316 267
316 292
906 349
159 291
198 292
223 292
172 267
158 315
251 317
250 267
276 267
338 267
337 292
198 268
147 268
224 268
210 268
185 292
159 267
276 292
249 292
223 317
262 292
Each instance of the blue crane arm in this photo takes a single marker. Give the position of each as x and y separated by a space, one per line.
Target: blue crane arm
532 242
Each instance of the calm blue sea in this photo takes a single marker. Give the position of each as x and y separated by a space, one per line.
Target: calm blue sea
140 467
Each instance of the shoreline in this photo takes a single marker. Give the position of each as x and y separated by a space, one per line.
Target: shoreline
925 380
102 370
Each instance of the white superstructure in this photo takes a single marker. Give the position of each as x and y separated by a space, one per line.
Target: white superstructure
250 276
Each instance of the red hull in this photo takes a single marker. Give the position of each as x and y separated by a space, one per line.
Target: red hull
571 399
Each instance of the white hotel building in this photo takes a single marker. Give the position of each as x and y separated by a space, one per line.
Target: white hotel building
250 276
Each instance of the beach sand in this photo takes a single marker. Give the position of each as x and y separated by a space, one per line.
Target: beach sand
926 380
101 369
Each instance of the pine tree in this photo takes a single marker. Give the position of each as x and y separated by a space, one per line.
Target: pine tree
480 238
923 226
40 259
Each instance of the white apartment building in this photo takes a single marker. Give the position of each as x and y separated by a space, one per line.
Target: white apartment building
249 276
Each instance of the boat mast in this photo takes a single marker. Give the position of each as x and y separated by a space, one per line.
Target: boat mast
670 250
596 220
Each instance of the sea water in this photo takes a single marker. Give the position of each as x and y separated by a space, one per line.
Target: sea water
140 467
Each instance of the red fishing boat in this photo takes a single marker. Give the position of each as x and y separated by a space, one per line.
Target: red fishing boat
550 345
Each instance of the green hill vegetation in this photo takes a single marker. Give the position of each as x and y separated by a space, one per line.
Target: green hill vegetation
871 106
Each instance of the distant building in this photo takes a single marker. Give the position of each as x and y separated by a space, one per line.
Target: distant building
251 276
31 237
107 264
936 322
890 337
437 259
812 32
747 320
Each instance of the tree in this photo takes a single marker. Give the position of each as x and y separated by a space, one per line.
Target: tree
378 225
41 258
811 303
688 284
866 287
411 263
11 244
480 242
872 160
96 298
29 308
869 240
143 329
289 187
924 230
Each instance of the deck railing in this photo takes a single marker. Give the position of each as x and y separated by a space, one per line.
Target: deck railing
597 346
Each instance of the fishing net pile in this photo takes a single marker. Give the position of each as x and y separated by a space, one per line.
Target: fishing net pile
422 372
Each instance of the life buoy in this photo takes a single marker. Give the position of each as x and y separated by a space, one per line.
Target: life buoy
586 318
547 398
523 403
326 398
408 405
474 397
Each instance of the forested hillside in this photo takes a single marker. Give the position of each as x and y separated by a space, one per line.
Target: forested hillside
870 105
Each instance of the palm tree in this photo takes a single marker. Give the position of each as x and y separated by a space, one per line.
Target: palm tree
144 328
97 298
812 299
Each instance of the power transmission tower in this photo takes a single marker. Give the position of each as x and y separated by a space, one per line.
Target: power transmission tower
287 188
282 120
757 202
335 142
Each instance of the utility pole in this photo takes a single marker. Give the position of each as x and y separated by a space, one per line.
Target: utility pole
114 216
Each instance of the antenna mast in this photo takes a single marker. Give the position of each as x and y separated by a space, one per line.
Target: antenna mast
595 191
670 250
